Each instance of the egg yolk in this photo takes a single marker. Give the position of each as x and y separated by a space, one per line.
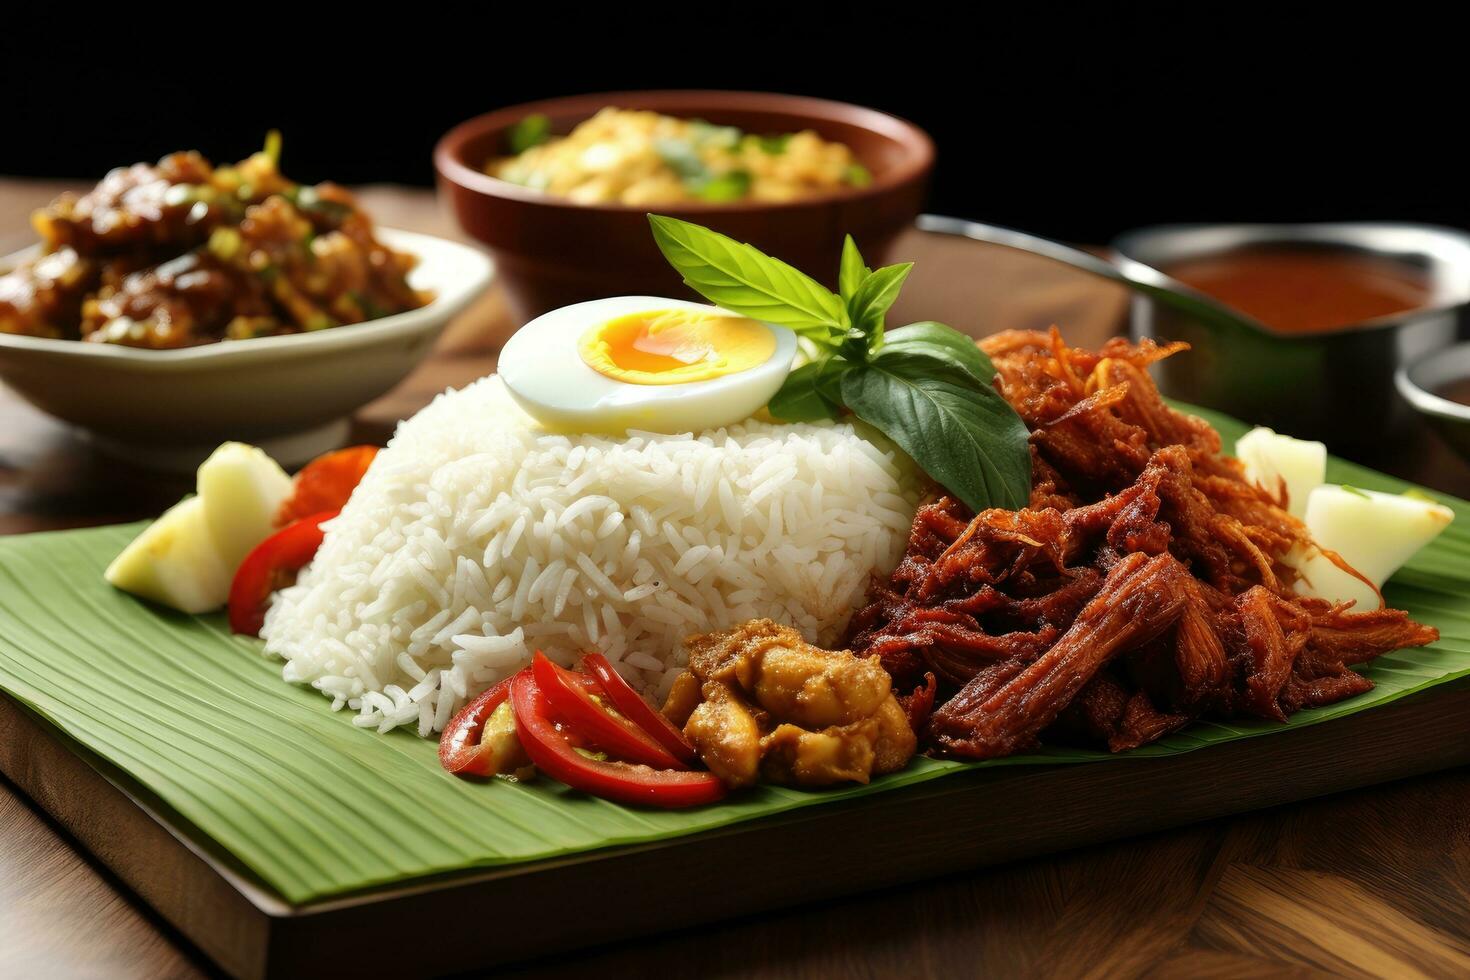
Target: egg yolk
670 347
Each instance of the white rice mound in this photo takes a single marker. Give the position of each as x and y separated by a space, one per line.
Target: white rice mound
477 537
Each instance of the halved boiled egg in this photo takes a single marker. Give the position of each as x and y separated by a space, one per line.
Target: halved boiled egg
643 362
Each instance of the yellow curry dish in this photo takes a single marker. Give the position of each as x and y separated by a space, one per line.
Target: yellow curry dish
635 157
183 253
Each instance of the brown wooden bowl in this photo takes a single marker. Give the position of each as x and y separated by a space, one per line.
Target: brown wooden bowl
552 252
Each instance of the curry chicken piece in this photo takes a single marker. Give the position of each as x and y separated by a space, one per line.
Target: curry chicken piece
724 730
760 701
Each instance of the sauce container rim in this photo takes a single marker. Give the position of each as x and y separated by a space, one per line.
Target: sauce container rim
1443 251
1417 380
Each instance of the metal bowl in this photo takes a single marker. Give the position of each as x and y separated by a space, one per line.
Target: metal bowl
1417 383
1338 385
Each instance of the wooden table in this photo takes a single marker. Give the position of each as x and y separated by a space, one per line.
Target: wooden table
1375 882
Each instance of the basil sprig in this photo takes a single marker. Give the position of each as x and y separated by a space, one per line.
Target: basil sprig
925 386
744 280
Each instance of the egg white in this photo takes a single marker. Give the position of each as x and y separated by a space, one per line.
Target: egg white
545 374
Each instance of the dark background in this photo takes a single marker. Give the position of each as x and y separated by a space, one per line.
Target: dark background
1074 124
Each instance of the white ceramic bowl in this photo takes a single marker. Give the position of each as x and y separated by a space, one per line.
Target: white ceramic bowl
292 395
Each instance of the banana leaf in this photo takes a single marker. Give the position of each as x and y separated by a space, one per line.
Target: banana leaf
264 772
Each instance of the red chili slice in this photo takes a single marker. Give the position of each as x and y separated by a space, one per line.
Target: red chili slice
621 782
460 748
326 482
636 710
272 565
572 703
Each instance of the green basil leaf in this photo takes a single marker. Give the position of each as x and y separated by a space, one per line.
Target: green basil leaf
945 343
959 431
853 270
858 175
812 392
744 280
873 298
829 381
531 131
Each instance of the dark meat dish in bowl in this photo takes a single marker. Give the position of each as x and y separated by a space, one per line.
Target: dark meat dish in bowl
184 253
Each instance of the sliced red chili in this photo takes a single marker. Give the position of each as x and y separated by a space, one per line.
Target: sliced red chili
272 565
621 782
462 747
572 703
326 482
631 704
461 750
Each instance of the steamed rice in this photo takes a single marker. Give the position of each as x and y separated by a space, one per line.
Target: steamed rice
476 537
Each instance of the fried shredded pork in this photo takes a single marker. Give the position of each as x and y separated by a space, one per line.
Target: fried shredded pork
1146 585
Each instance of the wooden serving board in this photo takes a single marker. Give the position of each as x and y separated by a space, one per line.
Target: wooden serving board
967 820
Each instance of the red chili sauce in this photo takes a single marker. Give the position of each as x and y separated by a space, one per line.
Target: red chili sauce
1307 288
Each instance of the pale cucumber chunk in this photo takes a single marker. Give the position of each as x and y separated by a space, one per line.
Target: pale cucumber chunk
175 562
242 489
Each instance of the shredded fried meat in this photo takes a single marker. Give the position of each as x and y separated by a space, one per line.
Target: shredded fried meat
1145 586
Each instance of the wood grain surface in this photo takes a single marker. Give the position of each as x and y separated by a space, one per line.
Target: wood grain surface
1374 882
1277 893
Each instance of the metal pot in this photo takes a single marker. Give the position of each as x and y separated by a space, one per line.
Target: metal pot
1338 385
